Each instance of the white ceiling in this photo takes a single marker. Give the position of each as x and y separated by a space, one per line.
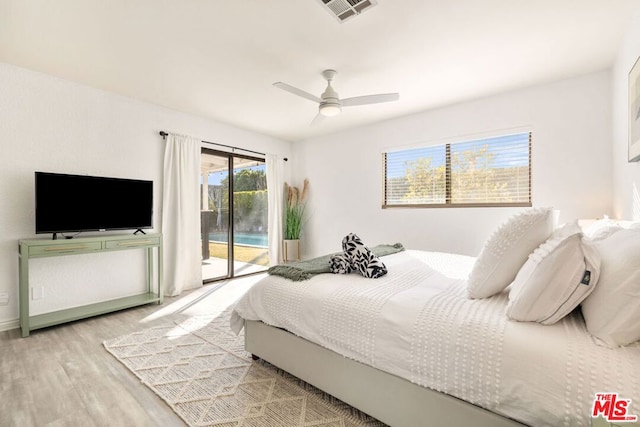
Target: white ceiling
219 59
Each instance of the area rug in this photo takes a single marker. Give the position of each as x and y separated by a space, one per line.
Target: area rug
200 369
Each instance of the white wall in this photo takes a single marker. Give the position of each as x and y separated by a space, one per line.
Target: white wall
571 167
626 176
48 124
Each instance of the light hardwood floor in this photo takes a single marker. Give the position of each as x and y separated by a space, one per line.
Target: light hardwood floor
63 376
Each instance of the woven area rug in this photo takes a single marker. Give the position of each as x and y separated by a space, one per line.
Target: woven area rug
199 367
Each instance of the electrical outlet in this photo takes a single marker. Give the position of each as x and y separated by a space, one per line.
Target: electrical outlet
4 298
37 293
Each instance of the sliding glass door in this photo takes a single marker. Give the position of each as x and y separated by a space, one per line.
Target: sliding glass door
214 215
240 219
250 246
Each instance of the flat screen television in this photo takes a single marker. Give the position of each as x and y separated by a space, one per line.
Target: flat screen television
75 203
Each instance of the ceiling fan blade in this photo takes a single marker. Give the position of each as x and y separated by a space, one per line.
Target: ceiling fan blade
296 91
319 118
370 99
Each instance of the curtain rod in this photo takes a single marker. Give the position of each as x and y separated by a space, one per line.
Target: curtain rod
164 135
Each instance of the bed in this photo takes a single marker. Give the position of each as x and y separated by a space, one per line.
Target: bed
410 348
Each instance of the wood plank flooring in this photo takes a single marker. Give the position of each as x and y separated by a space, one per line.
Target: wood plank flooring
63 376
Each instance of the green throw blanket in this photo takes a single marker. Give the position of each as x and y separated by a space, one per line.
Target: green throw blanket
304 270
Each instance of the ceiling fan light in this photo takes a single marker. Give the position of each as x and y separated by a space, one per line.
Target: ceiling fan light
329 110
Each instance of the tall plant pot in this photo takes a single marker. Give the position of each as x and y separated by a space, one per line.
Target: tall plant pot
291 249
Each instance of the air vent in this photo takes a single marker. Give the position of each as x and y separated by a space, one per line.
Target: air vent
346 9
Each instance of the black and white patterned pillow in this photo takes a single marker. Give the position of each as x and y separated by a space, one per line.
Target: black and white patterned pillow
340 264
361 258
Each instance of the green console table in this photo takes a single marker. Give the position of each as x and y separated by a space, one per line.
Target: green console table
39 248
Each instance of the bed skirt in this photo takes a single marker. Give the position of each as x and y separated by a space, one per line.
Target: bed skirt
389 398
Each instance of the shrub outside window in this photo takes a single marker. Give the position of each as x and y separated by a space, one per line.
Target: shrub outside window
483 172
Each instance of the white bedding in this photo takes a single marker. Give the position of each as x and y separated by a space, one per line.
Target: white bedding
417 323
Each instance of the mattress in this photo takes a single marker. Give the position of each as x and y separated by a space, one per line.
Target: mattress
417 323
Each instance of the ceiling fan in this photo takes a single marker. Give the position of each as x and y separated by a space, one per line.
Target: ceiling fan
330 103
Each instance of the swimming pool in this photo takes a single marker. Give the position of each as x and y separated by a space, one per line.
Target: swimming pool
251 239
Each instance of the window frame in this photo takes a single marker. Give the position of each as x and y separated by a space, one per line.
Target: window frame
448 181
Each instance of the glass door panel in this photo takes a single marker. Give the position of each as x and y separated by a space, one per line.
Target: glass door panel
241 219
250 244
214 208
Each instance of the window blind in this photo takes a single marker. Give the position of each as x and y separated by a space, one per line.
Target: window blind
484 172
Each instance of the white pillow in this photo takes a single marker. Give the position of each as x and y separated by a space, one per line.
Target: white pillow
612 311
605 227
558 275
507 250
602 228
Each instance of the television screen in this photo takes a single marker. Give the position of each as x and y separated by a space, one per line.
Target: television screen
71 203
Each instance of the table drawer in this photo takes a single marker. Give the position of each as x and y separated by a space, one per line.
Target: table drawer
67 248
142 242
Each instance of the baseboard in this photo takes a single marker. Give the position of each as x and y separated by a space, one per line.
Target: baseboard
7 325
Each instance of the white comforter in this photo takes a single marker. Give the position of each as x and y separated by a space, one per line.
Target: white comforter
417 323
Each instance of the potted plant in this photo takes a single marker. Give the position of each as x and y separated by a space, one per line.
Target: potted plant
295 204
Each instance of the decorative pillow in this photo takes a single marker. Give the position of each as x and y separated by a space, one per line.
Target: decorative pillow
361 258
602 228
612 311
507 250
339 264
558 275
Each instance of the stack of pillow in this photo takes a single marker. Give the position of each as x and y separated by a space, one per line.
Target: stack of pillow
551 271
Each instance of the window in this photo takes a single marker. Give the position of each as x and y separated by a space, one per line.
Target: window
484 172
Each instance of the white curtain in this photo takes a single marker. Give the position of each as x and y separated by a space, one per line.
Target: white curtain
181 215
275 188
